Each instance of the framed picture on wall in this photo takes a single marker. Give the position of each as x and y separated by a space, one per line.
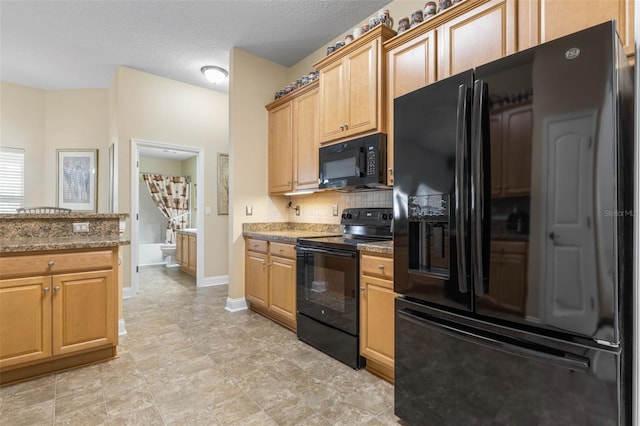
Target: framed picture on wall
223 184
78 179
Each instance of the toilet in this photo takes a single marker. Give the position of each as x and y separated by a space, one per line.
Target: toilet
169 254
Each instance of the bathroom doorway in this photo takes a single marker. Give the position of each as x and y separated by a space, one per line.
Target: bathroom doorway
171 160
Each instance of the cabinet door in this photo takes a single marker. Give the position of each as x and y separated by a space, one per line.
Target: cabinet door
280 149
410 66
184 255
282 288
255 280
361 84
179 249
377 320
512 296
332 102
84 311
193 241
561 17
25 320
305 140
481 35
516 162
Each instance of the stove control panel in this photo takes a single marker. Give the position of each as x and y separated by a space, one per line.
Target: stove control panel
367 216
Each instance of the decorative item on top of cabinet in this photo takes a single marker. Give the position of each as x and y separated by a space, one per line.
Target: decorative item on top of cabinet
351 87
270 280
57 310
377 313
293 141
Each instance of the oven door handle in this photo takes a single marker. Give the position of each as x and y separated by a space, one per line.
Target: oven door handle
326 251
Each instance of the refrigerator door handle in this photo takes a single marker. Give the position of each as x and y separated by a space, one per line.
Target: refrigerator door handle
461 188
569 361
477 185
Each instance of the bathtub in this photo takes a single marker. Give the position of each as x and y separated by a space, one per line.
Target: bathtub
150 254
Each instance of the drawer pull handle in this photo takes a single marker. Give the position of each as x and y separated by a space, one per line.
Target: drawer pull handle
380 266
51 263
56 288
46 289
362 288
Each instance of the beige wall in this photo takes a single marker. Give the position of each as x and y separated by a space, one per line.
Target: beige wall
22 126
157 109
76 119
253 82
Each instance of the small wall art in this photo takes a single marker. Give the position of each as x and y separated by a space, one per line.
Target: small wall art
78 179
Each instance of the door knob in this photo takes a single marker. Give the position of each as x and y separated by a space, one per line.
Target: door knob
555 239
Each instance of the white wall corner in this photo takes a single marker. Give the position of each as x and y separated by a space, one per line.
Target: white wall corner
127 292
122 331
235 305
217 280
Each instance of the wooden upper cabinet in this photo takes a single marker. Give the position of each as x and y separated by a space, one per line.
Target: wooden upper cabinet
480 35
293 140
351 88
305 140
561 17
411 64
511 144
280 149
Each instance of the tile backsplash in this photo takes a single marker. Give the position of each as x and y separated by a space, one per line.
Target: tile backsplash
318 207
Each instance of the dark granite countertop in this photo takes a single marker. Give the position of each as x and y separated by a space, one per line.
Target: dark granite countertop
383 247
31 244
288 232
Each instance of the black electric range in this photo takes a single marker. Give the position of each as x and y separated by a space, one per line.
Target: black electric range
328 299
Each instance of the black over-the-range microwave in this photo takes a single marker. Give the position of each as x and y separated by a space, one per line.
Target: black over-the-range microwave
356 163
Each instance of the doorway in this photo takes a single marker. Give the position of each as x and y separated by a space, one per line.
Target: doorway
169 151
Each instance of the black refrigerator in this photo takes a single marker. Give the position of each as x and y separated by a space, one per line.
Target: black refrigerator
513 240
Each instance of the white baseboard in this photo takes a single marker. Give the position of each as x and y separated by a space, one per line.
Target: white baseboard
127 292
122 331
213 281
235 305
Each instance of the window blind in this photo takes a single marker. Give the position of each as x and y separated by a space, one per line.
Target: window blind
11 179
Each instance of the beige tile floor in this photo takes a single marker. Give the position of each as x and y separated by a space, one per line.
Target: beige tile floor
187 361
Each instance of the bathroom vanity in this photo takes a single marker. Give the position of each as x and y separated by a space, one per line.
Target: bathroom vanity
59 293
186 250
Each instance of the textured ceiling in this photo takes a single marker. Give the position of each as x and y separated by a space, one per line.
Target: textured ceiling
79 44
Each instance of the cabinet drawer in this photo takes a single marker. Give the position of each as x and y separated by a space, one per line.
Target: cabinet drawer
377 266
55 263
282 250
257 245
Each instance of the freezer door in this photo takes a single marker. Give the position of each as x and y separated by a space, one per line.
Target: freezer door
546 187
431 250
450 374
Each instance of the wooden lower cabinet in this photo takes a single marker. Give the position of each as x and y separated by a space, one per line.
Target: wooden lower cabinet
58 320
270 280
187 252
508 276
377 312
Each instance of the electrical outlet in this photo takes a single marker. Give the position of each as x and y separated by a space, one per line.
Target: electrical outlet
335 210
249 210
81 227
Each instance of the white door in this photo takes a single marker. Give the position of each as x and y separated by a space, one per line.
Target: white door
570 286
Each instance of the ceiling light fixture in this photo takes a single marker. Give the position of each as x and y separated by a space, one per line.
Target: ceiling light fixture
214 74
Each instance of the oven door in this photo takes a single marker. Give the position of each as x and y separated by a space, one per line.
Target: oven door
327 284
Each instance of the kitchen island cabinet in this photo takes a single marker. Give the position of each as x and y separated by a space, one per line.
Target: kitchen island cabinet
57 310
377 313
352 100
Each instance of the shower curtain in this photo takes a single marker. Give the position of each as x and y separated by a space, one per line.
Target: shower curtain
171 195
